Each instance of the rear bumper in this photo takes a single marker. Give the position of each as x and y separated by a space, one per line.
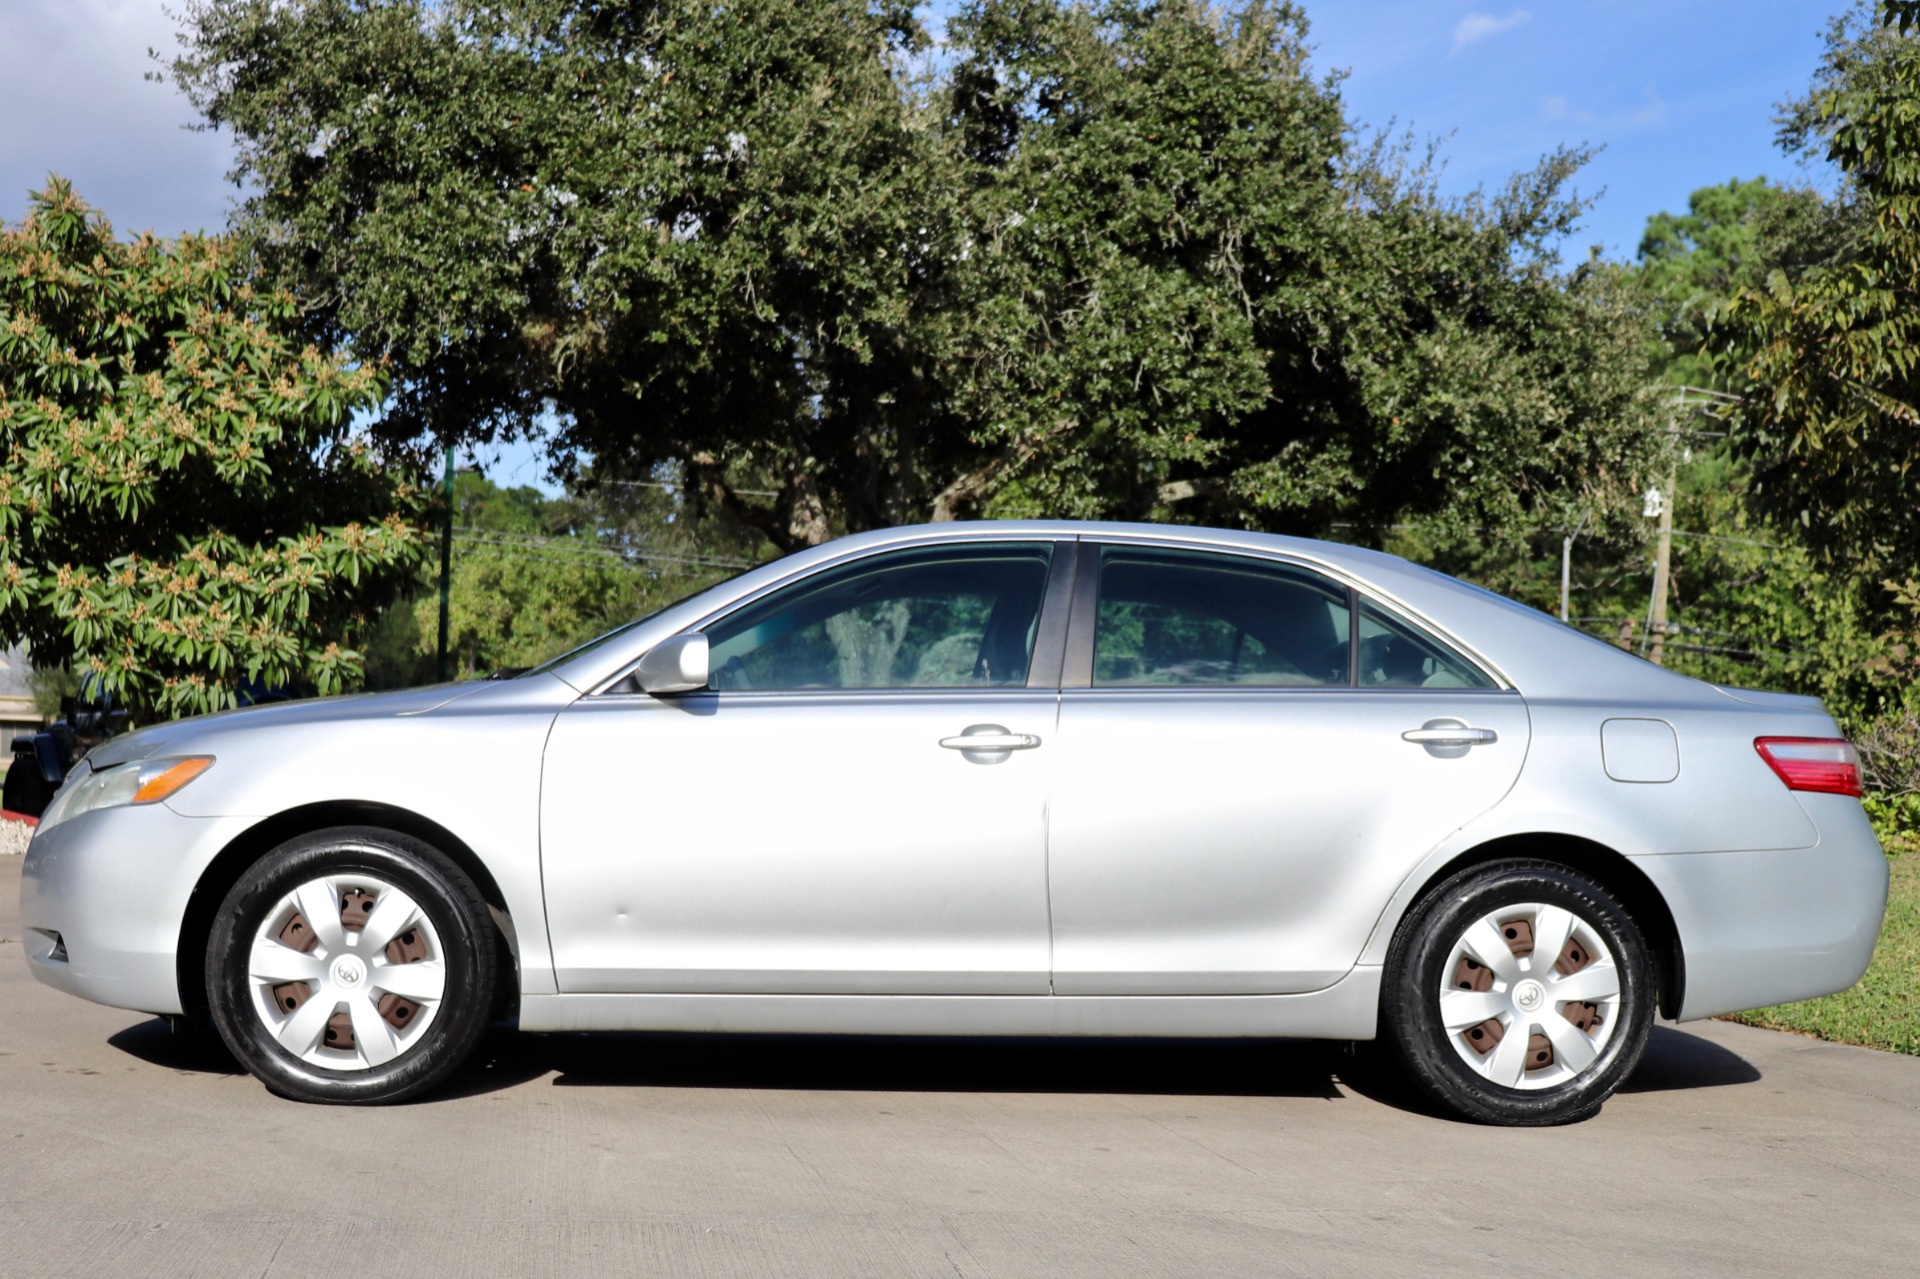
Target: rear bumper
112 887
1769 927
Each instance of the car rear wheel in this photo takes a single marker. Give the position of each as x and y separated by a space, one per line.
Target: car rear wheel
352 965
1519 992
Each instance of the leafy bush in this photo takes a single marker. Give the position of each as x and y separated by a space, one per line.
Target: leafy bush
1896 819
182 504
1890 768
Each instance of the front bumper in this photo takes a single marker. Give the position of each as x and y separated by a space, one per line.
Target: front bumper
110 889
1762 928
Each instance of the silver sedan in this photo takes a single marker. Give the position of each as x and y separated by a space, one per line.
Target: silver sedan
994 779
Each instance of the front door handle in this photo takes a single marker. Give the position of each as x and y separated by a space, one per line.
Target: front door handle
989 737
1449 734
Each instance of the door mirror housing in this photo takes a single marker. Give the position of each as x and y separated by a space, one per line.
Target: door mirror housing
676 665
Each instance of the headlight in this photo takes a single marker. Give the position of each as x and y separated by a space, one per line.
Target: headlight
143 781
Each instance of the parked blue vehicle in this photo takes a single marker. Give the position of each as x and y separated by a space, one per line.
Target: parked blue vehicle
42 760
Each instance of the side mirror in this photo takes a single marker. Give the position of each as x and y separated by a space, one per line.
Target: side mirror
677 665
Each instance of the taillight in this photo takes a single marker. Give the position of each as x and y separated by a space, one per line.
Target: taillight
1826 764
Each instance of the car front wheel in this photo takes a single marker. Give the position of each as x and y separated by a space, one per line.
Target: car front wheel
1519 992
352 965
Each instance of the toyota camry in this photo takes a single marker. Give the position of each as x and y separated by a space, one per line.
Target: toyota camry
1020 778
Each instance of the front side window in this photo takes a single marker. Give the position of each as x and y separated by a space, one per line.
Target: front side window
1186 618
934 617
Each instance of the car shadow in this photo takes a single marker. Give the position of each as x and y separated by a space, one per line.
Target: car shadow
505 1059
1673 1061
188 1048
1677 1060
858 1063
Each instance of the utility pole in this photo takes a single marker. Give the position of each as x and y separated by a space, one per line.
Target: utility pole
446 566
1695 400
1566 562
1662 560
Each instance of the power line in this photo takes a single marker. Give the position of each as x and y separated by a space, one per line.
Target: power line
1731 652
656 484
568 542
588 554
590 550
497 552
1721 537
603 561
514 474
1597 625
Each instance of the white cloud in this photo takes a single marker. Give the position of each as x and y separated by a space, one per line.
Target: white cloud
1651 113
73 101
1476 27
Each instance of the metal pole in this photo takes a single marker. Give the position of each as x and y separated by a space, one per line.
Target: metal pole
1566 568
1663 558
446 566
1642 650
1566 562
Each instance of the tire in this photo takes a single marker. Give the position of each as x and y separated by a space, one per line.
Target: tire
1468 949
315 1015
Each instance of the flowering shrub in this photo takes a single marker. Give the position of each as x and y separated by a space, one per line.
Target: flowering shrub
182 504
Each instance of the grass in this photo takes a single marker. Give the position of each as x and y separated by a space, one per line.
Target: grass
1883 1011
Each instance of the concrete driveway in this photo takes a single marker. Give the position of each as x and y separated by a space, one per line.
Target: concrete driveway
1733 1151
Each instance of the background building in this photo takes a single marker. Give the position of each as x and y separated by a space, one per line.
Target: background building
17 711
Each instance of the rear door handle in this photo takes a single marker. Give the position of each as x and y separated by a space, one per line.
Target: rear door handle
990 737
1450 735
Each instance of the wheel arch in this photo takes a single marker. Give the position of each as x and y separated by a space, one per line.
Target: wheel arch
257 840
1612 870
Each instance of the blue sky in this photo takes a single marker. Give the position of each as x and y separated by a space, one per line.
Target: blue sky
1680 93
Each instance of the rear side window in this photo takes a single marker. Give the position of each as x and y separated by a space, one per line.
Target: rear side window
1395 655
1190 618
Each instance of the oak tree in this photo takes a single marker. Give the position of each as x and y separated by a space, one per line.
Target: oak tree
1118 258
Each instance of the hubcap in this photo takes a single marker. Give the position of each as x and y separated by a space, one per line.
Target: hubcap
346 972
1529 996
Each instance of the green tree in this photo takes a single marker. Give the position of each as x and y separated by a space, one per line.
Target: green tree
1118 258
1187 292
1691 263
1750 604
1826 354
182 504
534 576
526 584
694 230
